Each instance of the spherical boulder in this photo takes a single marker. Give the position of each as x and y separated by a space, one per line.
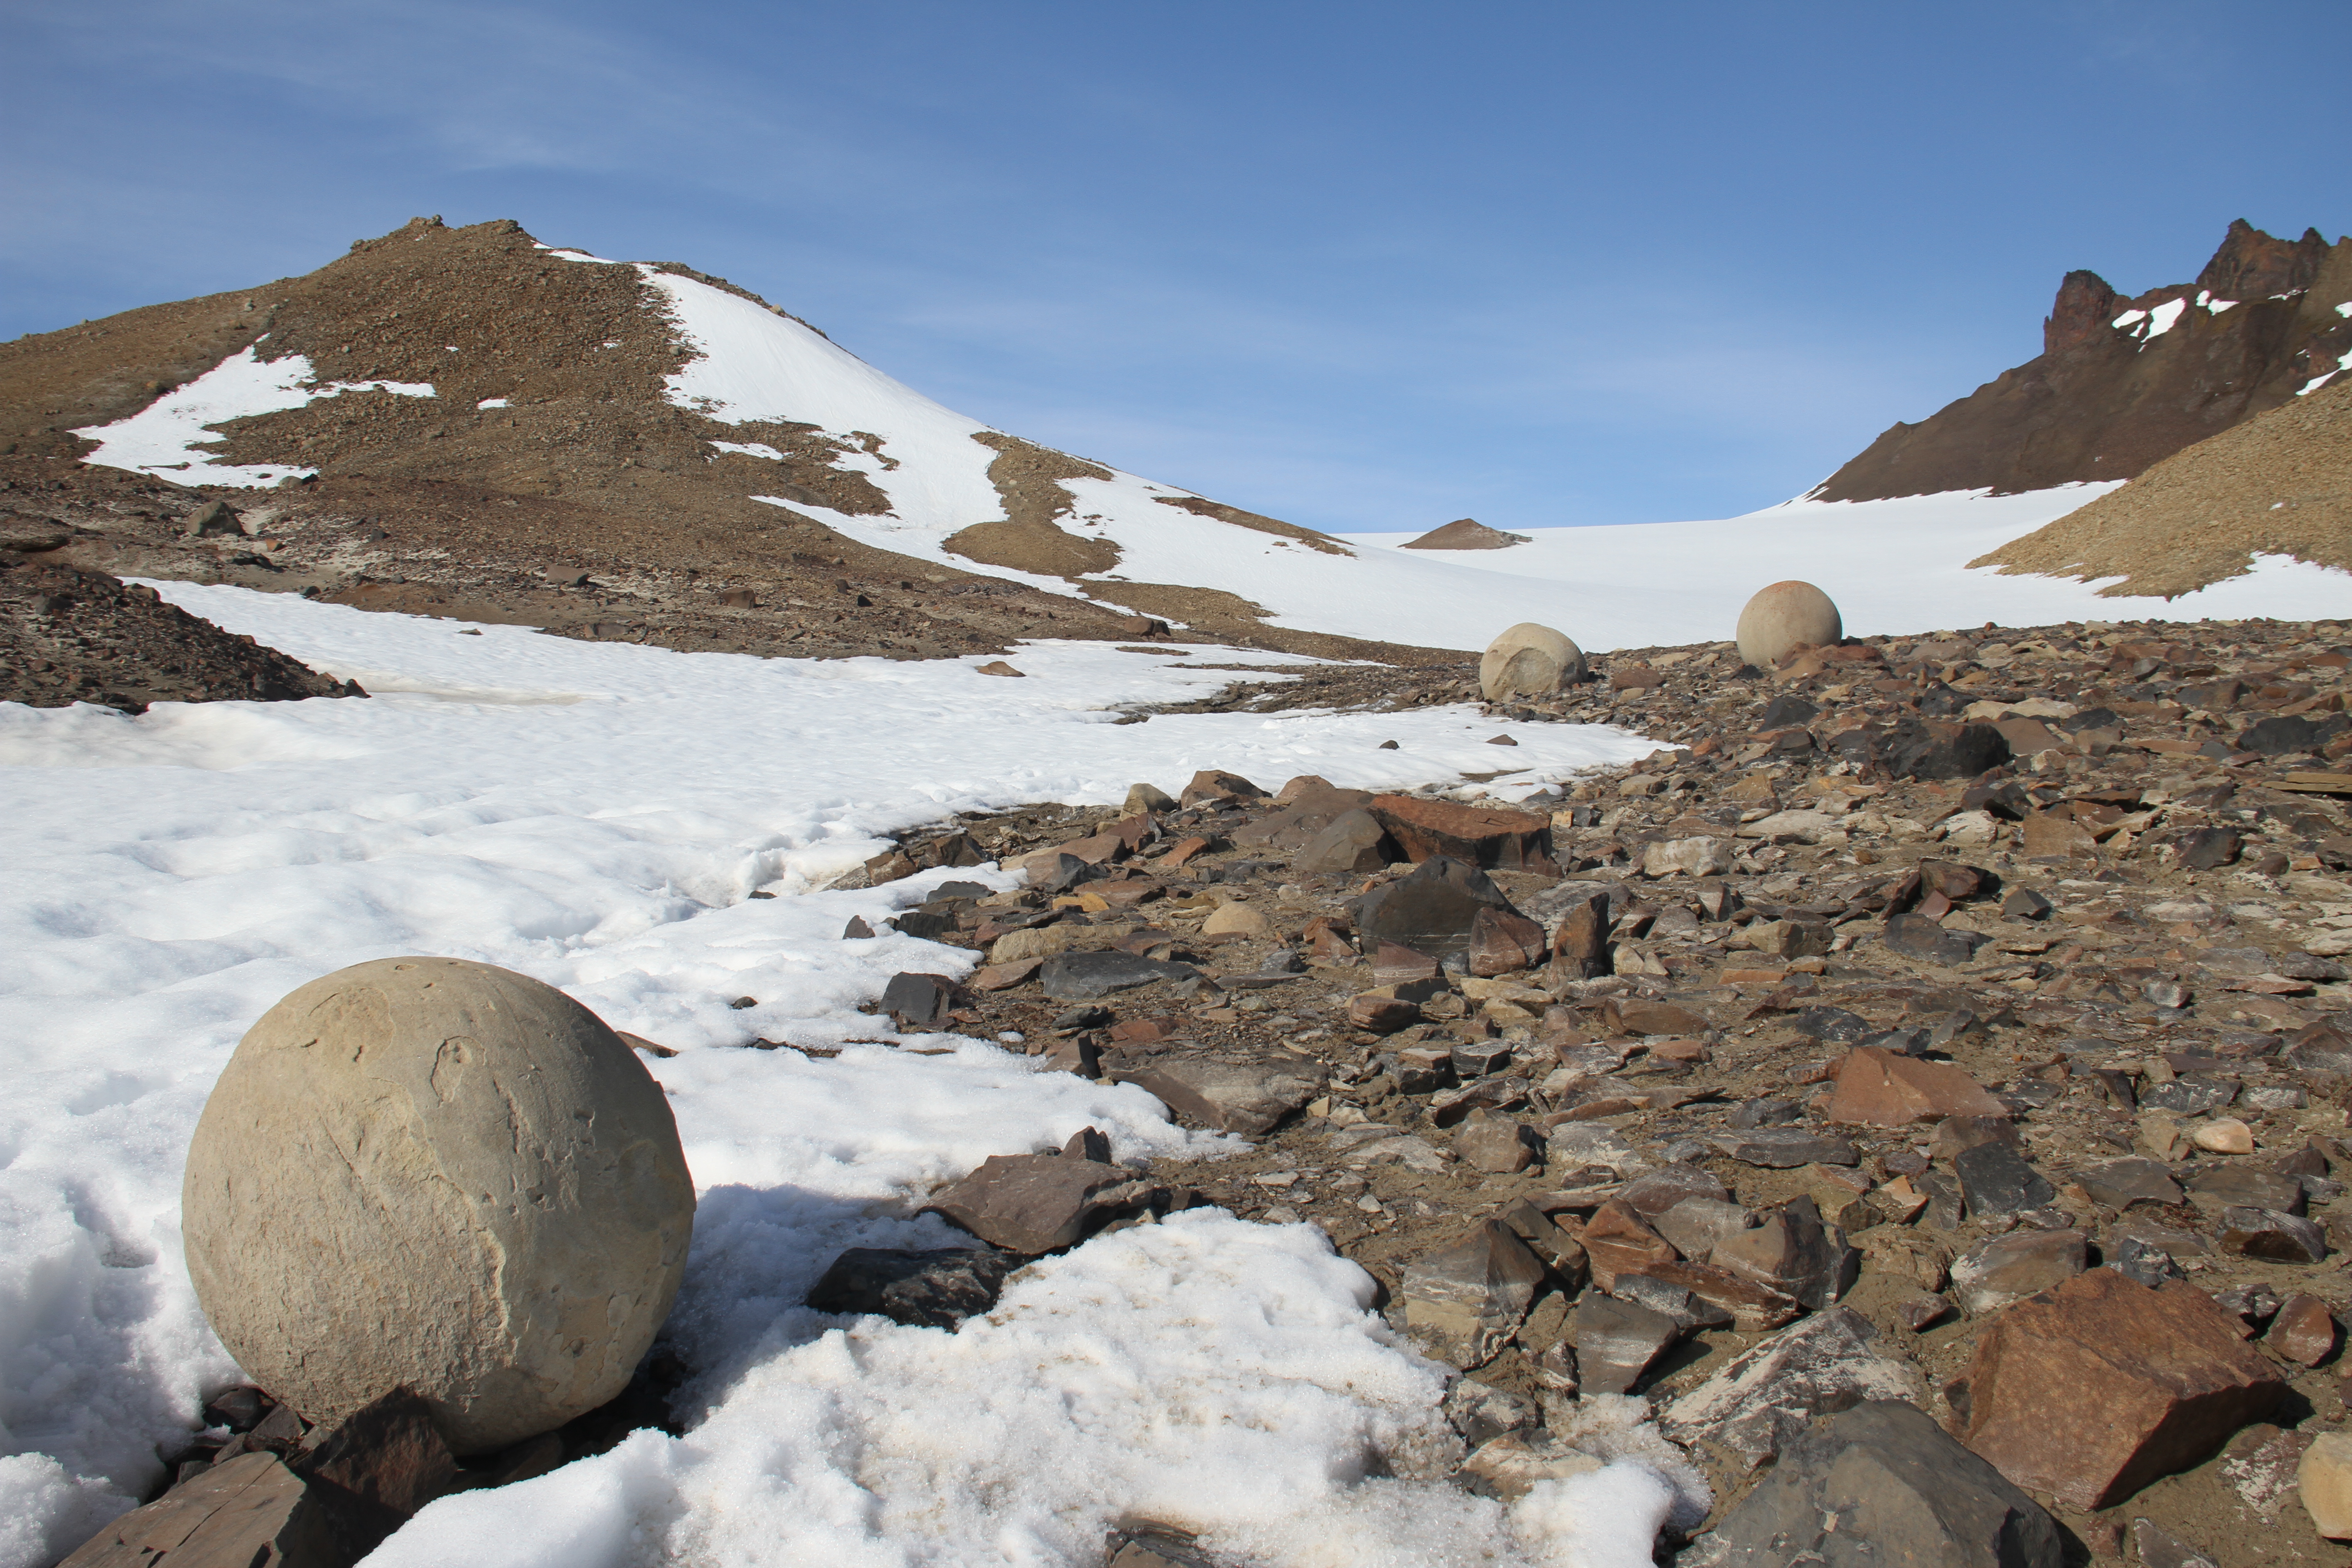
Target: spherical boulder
1783 616
442 1175
1529 660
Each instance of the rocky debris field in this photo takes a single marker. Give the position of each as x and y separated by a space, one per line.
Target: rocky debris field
773 585
1924 1085
70 635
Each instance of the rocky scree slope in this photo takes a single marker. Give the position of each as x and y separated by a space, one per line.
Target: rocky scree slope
476 397
2279 484
2122 384
1958 1021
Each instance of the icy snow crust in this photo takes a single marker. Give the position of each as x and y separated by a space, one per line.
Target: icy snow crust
594 815
165 439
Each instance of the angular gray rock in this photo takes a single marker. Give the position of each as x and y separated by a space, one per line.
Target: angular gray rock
1996 1180
1877 1485
1767 1396
2119 1184
1463 1302
1033 1204
2010 1268
1089 977
934 1289
1784 1148
1616 1340
1244 1097
1354 841
1431 910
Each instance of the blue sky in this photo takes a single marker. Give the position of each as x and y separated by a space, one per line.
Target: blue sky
1360 265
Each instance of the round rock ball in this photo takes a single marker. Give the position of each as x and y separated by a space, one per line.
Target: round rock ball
1783 616
1529 660
443 1175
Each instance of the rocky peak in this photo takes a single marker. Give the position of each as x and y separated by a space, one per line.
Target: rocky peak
2252 265
2085 303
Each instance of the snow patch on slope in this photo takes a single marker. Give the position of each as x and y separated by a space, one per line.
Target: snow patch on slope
594 815
165 437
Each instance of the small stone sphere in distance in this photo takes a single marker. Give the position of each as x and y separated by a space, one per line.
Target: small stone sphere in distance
428 1173
1529 660
1786 615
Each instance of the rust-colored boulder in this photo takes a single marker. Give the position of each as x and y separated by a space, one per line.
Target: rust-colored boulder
1502 942
1477 835
2096 1389
1580 948
2303 1331
1879 1088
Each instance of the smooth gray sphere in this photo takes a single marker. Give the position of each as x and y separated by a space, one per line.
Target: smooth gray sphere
1529 660
442 1175
1783 616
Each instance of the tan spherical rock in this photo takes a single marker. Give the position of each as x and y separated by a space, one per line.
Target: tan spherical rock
1529 660
428 1172
1783 616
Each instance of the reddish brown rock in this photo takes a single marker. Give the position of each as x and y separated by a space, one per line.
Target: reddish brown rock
1656 1018
2303 1331
1617 1242
244 1510
1879 1088
1033 1204
1476 835
1502 942
1382 1014
2093 1391
1580 948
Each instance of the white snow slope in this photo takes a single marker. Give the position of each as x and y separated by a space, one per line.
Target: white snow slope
1892 566
594 815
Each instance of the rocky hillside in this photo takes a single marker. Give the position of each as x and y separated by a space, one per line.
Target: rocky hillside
2122 384
2279 484
517 408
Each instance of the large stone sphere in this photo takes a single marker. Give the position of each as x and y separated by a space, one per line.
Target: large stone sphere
1786 615
1529 660
428 1172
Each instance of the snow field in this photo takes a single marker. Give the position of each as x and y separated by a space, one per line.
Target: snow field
594 815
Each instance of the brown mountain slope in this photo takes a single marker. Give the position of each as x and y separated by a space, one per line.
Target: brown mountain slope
2122 384
2279 484
551 447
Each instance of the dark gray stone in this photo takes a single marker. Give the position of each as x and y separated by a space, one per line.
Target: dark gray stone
1430 911
2243 1186
1998 1180
1482 1413
1085 976
2283 734
1946 1207
922 1001
857 930
2144 1261
1783 1148
1685 1310
1617 1341
1917 936
1765 1112
2159 1548
2119 1184
1033 1204
1462 1303
2266 1233
1476 1058
931 1290
1880 1484
2206 848
2189 1096
1354 841
1832 1026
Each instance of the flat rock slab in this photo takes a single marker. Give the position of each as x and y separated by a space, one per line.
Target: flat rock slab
1877 1088
1785 1148
1877 1485
2104 1385
1232 1097
1617 1340
1766 1397
243 1510
2119 1184
1996 1180
1089 977
935 1288
1033 1204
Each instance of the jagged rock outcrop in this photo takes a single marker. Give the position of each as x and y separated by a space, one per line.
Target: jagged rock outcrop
2122 384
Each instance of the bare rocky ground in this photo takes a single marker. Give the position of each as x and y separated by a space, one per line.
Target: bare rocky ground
1944 982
